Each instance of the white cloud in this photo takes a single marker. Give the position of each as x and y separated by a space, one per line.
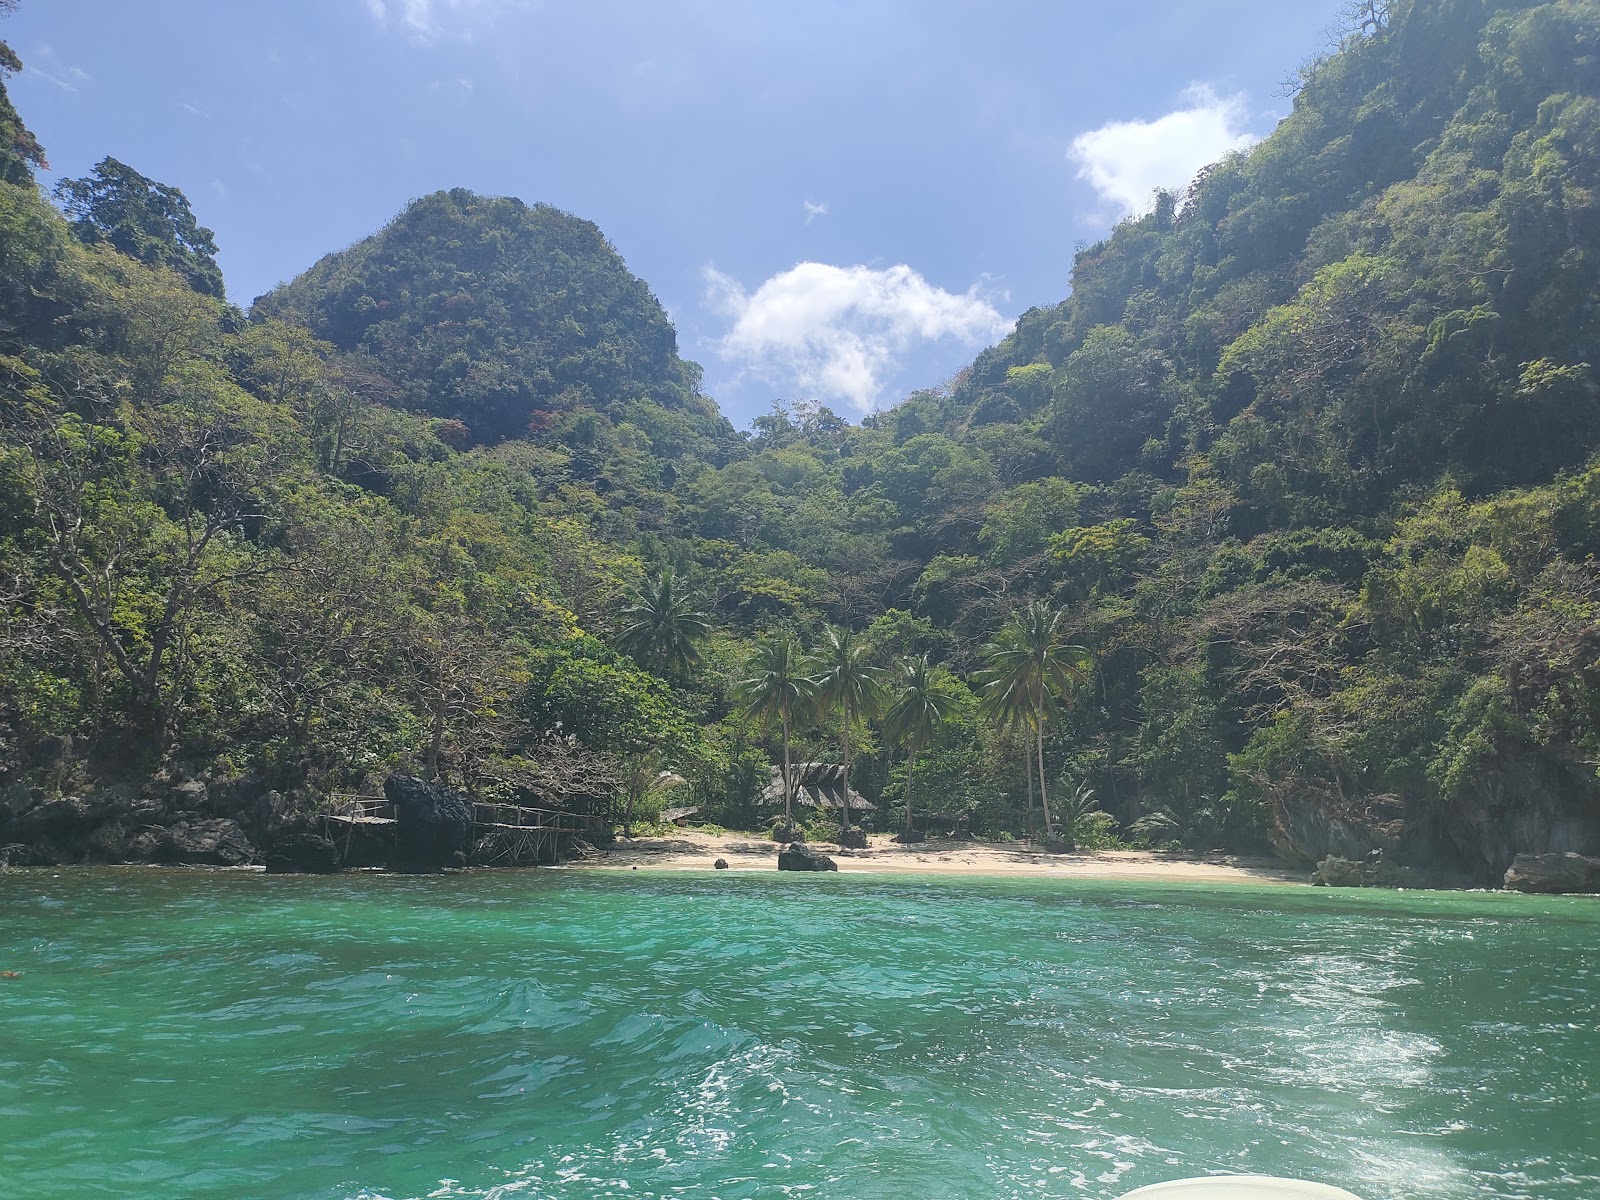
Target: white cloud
1126 161
46 66
838 332
425 20
815 209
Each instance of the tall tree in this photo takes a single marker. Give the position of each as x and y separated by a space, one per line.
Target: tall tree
777 688
846 680
919 706
663 626
1030 665
143 219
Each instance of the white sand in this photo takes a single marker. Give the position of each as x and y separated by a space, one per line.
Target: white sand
697 850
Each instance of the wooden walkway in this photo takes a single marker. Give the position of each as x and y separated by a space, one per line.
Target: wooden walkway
510 834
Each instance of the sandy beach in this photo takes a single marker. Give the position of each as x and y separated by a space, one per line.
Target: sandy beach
697 850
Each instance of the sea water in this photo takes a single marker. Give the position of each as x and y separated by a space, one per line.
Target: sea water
728 1034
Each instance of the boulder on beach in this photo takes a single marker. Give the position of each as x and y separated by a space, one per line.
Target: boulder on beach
798 856
854 838
720 865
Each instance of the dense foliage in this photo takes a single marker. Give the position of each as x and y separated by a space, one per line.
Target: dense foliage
1300 482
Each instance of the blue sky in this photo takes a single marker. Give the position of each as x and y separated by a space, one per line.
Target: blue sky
839 202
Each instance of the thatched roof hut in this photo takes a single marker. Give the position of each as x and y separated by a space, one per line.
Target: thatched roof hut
816 785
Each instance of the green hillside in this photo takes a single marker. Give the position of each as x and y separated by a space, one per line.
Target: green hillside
510 319
1300 483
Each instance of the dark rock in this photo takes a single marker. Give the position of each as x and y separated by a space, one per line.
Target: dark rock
910 837
1334 871
1059 846
34 854
50 818
302 852
110 841
1554 874
787 833
15 800
191 796
800 857
206 842
432 824
721 864
854 838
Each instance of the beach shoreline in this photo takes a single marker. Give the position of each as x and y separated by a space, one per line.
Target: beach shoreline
698 850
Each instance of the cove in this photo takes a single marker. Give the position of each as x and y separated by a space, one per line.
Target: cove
560 1033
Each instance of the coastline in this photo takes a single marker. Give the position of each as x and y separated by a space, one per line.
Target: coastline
698 850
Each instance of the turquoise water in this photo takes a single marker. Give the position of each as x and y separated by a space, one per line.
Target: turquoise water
731 1035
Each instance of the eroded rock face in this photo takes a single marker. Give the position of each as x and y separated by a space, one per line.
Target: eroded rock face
1554 874
798 856
432 824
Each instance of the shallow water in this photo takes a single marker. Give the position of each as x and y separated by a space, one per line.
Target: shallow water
731 1035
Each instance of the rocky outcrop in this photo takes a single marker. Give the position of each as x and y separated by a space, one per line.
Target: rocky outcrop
1377 870
797 856
206 842
1334 871
720 865
303 852
1554 874
854 838
432 824
1306 829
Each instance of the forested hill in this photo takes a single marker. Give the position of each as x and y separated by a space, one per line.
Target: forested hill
515 321
1299 488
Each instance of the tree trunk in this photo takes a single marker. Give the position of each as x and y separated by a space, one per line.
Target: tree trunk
788 782
1044 793
911 775
847 766
1027 769
430 766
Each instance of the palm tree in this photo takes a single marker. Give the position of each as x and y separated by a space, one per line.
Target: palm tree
919 706
661 628
1076 805
1013 711
1029 664
845 679
777 688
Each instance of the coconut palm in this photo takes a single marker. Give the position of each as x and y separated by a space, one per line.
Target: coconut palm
1013 711
919 704
1030 663
777 688
661 628
844 679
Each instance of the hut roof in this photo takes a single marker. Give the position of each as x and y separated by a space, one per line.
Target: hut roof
816 785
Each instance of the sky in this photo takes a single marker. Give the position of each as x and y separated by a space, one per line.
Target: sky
837 202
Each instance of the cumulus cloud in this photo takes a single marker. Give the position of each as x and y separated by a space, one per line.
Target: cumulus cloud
1127 161
837 333
815 209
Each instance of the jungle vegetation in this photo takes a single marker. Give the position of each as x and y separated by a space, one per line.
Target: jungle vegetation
1284 522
